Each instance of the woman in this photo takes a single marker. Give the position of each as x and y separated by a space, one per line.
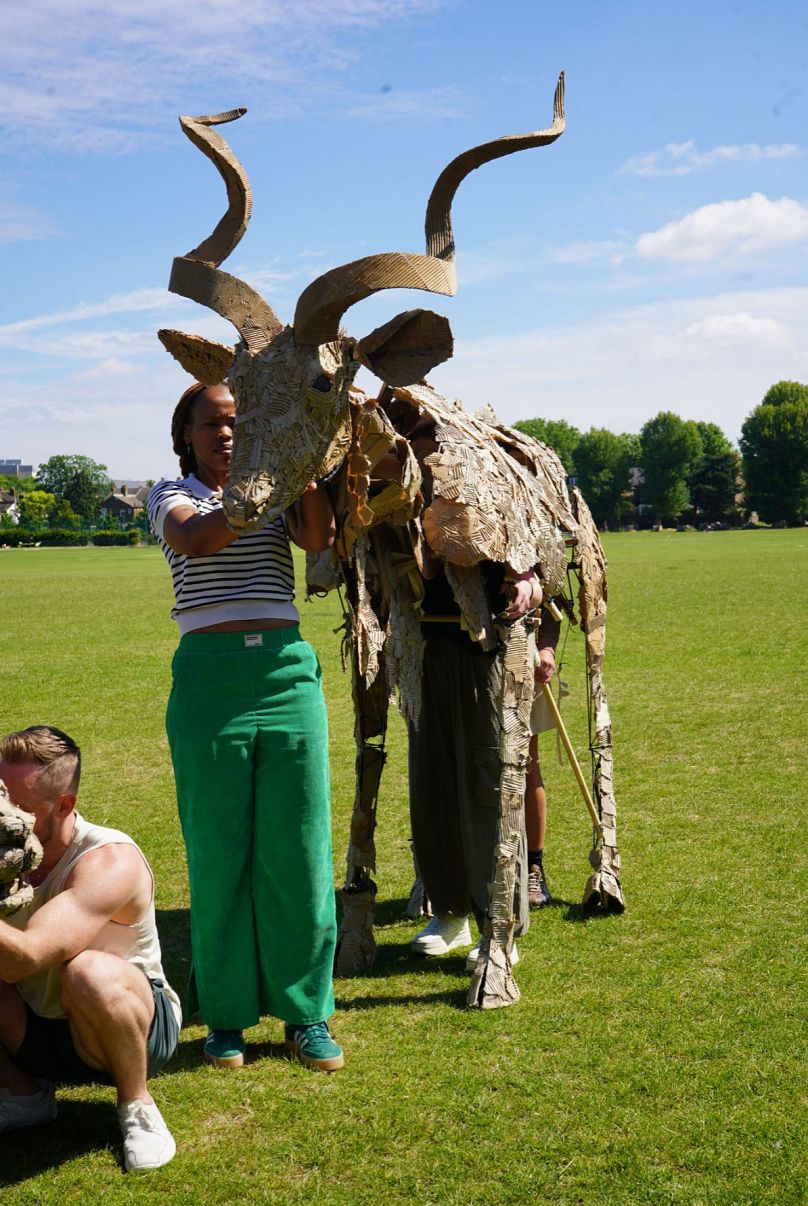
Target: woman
247 728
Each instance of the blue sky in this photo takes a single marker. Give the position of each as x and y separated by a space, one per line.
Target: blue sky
653 258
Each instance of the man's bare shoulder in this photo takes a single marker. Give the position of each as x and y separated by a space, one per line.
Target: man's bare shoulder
115 879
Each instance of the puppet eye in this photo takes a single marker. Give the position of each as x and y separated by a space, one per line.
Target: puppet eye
321 384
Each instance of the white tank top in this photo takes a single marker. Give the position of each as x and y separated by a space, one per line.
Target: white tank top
138 943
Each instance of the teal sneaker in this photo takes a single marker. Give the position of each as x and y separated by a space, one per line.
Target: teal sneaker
224 1048
314 1047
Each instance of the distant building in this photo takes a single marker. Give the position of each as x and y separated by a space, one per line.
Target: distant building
124 503
16 469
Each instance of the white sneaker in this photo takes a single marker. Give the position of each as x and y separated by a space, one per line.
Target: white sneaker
26 1111
147 1141
442 934
474 954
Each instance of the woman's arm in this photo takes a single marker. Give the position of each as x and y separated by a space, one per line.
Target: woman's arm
195 535
310 521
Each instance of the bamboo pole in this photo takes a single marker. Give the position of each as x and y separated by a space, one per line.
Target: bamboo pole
559 723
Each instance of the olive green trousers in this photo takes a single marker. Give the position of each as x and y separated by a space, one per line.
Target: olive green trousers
247 728
455 769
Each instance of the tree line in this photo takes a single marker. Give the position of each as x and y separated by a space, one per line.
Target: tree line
675 470
66 493
683 471
62 505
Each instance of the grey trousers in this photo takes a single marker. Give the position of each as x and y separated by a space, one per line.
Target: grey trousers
454 771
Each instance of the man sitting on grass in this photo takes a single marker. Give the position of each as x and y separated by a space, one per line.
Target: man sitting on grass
82 992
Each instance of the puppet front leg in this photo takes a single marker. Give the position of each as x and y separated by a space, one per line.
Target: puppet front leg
356 945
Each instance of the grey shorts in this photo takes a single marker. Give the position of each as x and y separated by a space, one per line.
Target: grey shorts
47 1049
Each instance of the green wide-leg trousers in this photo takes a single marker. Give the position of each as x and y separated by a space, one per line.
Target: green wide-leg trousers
247 728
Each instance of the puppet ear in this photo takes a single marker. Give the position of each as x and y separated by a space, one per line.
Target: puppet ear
404 350
206 360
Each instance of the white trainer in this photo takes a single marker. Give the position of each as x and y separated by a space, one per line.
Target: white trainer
147 1141
442 934
26 1111
474 954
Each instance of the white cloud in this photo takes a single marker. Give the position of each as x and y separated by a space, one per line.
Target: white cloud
110 392
98 76
682 158
741 330
430 103
705 358
90 345
20 223
119 303
107 369
120 418
728 227
94 335
583 252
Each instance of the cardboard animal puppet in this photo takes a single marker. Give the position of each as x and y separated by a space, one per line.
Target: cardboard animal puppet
496 495
20 853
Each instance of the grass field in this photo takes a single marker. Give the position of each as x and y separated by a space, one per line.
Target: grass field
657 1057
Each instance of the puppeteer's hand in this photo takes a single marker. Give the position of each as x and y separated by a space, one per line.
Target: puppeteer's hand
546 668
524 593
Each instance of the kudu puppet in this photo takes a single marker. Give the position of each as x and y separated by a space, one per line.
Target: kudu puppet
496 495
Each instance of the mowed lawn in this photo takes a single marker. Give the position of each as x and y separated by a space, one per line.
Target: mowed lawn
655 1057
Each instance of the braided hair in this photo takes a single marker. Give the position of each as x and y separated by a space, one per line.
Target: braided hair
179 421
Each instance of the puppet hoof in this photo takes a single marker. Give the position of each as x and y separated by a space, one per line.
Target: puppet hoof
603 894
356 946
492 983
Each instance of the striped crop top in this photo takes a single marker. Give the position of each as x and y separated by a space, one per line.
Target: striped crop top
251 579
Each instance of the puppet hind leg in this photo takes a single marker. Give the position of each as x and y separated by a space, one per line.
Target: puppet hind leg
603 889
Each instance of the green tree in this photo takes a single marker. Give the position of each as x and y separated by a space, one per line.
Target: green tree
774 448
560 435
35 507
713 481
62 515
603 463
20 485
79 479
670 447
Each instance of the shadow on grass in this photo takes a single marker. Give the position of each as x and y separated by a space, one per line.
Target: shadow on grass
277 1051
174 928
397 960
579 912
391 912
392 959
189 1054
80 1127
456 999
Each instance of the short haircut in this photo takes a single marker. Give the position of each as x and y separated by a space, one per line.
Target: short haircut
57 754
